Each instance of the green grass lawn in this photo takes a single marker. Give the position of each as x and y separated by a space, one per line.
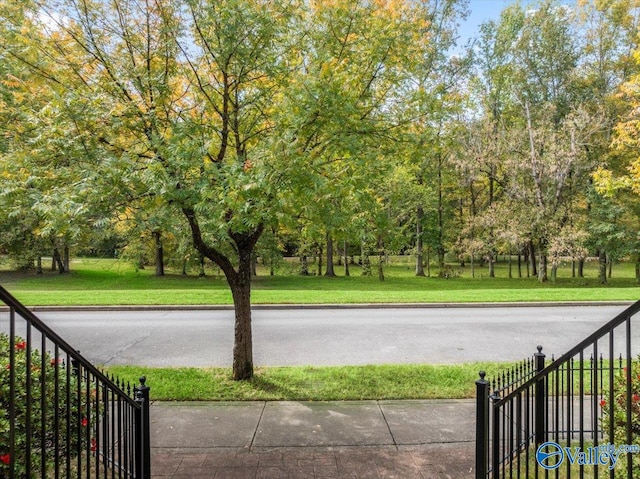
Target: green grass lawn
109 282
312 383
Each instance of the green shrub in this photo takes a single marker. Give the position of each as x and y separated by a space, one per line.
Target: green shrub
619 416
69 407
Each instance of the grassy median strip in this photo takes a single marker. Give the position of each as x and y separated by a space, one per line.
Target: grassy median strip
112 282
312 383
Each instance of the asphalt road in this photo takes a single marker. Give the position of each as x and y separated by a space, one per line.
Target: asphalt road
288 337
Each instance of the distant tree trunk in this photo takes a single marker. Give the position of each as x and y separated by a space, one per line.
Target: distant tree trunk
57 264
554 272
510 264
581 268
542 269
39 265
440 232
157 238
67 259
428 261
602 267
254 265
304 265
346 259
419 246
320 252
184 267
330 271
532 258
201 273
492 272
573 268
381 257
473 265
441 256
609 265
366 263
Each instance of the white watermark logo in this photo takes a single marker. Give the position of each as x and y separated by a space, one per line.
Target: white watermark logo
552 455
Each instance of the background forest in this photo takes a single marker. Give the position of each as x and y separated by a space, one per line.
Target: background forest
315 128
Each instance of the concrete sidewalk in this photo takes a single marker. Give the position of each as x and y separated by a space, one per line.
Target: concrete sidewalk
280 440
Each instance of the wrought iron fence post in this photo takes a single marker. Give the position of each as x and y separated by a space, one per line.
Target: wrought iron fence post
541 399
482 426
143 435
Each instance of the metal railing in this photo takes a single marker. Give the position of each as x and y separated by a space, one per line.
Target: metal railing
60 417
565 417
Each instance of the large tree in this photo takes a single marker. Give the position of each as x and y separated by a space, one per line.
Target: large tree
223 110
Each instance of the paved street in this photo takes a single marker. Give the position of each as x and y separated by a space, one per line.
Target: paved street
284 337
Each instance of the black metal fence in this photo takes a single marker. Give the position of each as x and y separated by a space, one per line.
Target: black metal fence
60 417
575 416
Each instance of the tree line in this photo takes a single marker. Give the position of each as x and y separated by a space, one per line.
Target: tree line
230 129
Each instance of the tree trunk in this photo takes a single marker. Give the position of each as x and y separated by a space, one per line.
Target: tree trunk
54 262
366 263
346 259
440 247
157 238
638 268
381 257
39 265
240 284
304 265
532 258
609 265
581 268
573 268
473 266
67 259
492 272
428 261
330 271
554 273
510 265
254 265
602 269
319 270
202 273
419 263
519 265
57 261
542 270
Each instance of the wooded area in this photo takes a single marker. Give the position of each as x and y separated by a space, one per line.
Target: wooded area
185 130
